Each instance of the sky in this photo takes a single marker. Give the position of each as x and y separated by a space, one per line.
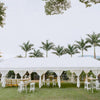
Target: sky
26 20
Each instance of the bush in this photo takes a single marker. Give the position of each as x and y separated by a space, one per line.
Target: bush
63 85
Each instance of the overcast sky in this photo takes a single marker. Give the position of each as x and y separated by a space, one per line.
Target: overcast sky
26 20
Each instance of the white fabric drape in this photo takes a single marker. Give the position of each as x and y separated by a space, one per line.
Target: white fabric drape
78 72
58 73
3 78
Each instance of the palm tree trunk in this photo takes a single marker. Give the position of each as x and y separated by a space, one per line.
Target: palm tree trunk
46 54
94 53
25 54
82 52
71 55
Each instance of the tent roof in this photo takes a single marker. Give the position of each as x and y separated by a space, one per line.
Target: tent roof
50 63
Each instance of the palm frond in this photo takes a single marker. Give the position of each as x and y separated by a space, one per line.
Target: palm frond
36 53
26 46
59 50
71 49
47 46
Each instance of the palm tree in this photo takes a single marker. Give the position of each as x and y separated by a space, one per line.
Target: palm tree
19 56
2 14
59 50
94 40
0 54
26 47
71 50
82 45
36 53
47 46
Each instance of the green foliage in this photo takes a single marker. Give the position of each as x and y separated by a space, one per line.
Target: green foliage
63 85
89 3
94 40
2 14
59 51
47 46
65 75
0 54
26 47
19 56
82 76
11 93
36 53
53 7
91 73
71 85
11 74
82 45
98 59
71 50
69 74
49 73
34 76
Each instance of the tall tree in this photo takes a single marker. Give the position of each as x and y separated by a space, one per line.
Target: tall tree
94 40
36 53
2 14
59 50
82 45
26 47
71 50
47 46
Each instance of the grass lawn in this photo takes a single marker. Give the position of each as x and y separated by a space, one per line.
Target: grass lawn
71 93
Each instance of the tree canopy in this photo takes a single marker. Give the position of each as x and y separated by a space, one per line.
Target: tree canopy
89 3
26 47
36 53
47 46
82 45
53 7
94 40
59 50
71 50
2 14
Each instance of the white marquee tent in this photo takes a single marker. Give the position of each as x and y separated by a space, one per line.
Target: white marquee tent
57 65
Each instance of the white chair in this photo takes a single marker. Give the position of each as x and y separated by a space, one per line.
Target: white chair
21 86
3 81
48 82
90 85
41 82
25 85
32 87
87 85
54 82
97 85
